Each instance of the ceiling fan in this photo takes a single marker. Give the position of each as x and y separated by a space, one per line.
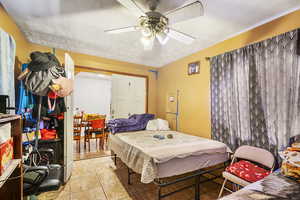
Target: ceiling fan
154 25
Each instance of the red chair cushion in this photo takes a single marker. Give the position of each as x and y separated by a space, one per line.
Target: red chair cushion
247 171
98 123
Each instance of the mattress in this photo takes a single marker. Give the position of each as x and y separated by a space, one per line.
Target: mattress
154 158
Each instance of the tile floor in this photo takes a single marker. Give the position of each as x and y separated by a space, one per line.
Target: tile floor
91 179
94 152
99 179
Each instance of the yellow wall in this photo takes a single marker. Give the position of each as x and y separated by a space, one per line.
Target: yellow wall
108 64
24 48
194 104
194 98
9 26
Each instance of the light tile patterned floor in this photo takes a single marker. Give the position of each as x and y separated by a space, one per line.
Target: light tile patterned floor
99 179
92 179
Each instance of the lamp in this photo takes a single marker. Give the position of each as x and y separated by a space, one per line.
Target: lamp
147 32
153 26
147 42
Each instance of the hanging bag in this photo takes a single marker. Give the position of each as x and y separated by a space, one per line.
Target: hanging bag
62 86
43 68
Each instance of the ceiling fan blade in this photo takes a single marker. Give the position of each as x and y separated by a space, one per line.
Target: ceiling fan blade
182 37
122 30
132 6
185 12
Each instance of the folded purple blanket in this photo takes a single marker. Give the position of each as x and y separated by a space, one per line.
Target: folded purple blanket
133 123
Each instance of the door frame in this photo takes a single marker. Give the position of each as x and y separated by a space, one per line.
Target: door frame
121 73
68 123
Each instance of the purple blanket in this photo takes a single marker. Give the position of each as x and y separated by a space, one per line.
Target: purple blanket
133 123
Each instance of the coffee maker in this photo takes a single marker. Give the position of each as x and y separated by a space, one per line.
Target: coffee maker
5 104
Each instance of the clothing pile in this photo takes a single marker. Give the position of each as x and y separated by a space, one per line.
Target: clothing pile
135 122
291 161
43 80
44 73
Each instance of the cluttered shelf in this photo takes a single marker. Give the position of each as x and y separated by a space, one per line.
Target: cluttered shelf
9 170
11 179
7 117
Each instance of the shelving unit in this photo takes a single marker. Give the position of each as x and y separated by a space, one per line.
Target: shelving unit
12 188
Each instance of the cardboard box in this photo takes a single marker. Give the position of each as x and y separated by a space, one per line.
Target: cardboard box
5 132
6 154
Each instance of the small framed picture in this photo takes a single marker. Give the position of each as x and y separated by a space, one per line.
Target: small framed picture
194 68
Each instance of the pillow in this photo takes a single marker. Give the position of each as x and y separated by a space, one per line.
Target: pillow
152 125
163 125
247 171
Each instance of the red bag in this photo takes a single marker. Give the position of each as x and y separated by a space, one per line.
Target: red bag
6 154
48 134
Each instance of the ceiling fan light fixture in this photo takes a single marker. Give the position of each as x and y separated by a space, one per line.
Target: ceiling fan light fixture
162 38
146 32
155 25
147 42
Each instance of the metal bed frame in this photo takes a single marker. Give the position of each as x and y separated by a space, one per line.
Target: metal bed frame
196 175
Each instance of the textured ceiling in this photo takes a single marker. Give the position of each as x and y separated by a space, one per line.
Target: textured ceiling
77 25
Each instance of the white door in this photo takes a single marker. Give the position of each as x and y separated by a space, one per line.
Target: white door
99 101
68 122
128 96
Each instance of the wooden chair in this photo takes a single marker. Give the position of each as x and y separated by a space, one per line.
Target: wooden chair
77 127
95 129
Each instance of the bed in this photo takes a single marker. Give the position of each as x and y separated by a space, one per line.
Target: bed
155 158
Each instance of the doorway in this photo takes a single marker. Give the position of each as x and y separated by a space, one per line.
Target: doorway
129 96
92 96
113 95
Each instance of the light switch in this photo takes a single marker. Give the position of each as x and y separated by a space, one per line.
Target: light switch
171 99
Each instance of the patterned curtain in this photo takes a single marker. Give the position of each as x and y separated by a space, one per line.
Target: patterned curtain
7 63
255 94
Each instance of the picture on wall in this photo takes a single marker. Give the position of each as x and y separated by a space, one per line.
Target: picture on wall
194 68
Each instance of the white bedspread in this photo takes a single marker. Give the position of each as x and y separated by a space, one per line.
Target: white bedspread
180 146
142 152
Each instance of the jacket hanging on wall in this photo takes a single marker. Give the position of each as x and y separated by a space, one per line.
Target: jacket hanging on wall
57 106
25 98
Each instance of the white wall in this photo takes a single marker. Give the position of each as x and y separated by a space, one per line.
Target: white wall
92 93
